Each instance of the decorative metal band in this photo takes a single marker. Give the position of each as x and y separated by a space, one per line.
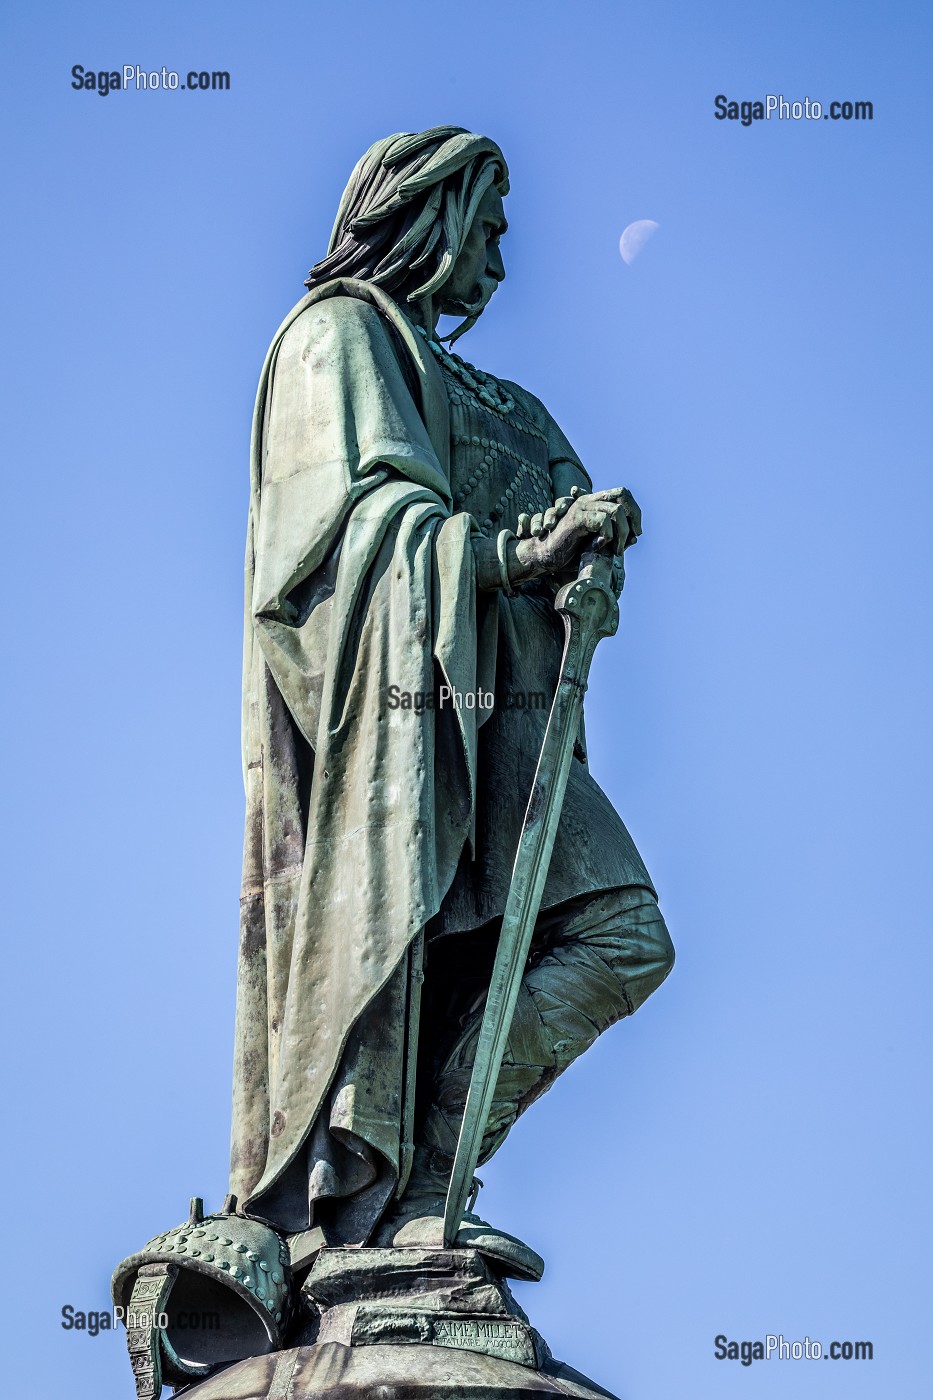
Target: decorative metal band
147 1303
502 544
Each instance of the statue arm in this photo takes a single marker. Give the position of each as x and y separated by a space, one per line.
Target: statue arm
565 475
522 558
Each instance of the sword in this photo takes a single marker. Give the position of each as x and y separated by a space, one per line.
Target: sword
590 611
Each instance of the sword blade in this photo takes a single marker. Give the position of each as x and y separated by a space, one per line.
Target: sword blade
590 612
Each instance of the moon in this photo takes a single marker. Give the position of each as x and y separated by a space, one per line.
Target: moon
635 237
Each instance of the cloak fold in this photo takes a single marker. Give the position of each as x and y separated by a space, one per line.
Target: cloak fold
358 577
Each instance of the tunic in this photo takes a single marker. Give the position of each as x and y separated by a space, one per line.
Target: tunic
502 464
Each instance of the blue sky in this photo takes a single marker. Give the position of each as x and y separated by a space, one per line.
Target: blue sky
750 1154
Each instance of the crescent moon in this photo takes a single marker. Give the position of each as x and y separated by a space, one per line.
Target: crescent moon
635 237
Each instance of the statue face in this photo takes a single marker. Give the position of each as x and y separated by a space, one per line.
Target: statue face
479 268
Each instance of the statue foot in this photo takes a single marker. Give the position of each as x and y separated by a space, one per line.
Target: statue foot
417 1220
509 1256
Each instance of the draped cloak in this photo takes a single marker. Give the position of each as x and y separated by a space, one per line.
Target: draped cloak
363 820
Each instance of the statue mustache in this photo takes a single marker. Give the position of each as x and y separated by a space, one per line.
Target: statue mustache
482 293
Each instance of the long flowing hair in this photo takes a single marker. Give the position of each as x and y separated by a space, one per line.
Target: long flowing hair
407 210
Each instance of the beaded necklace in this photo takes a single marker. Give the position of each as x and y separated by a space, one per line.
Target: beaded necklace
484 386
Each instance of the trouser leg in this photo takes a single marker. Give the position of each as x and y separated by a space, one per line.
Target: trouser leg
595 961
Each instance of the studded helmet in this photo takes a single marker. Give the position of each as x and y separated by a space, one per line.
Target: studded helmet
209 1292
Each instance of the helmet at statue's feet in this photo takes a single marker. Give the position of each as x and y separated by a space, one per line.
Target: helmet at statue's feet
224 1289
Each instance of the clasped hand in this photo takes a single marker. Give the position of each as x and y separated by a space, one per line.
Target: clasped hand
557 537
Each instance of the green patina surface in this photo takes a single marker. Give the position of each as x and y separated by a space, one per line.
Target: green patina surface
412 521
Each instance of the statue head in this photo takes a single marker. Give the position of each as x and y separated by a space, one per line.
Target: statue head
421 217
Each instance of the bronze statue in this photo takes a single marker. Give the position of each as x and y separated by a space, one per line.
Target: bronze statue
411 522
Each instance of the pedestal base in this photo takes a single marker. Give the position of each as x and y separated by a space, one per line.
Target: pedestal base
408 1296
331 1371
389 1324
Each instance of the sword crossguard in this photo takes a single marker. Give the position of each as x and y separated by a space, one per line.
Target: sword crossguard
590 610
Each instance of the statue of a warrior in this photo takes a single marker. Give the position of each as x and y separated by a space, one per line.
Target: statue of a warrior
411 520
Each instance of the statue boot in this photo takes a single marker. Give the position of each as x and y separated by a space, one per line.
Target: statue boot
417 1221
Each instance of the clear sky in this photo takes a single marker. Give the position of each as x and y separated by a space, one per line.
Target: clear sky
750 1155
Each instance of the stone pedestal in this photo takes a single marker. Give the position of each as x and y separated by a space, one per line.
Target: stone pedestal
331 1371
390 1324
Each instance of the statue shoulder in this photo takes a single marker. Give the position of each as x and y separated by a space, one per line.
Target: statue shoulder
335 322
